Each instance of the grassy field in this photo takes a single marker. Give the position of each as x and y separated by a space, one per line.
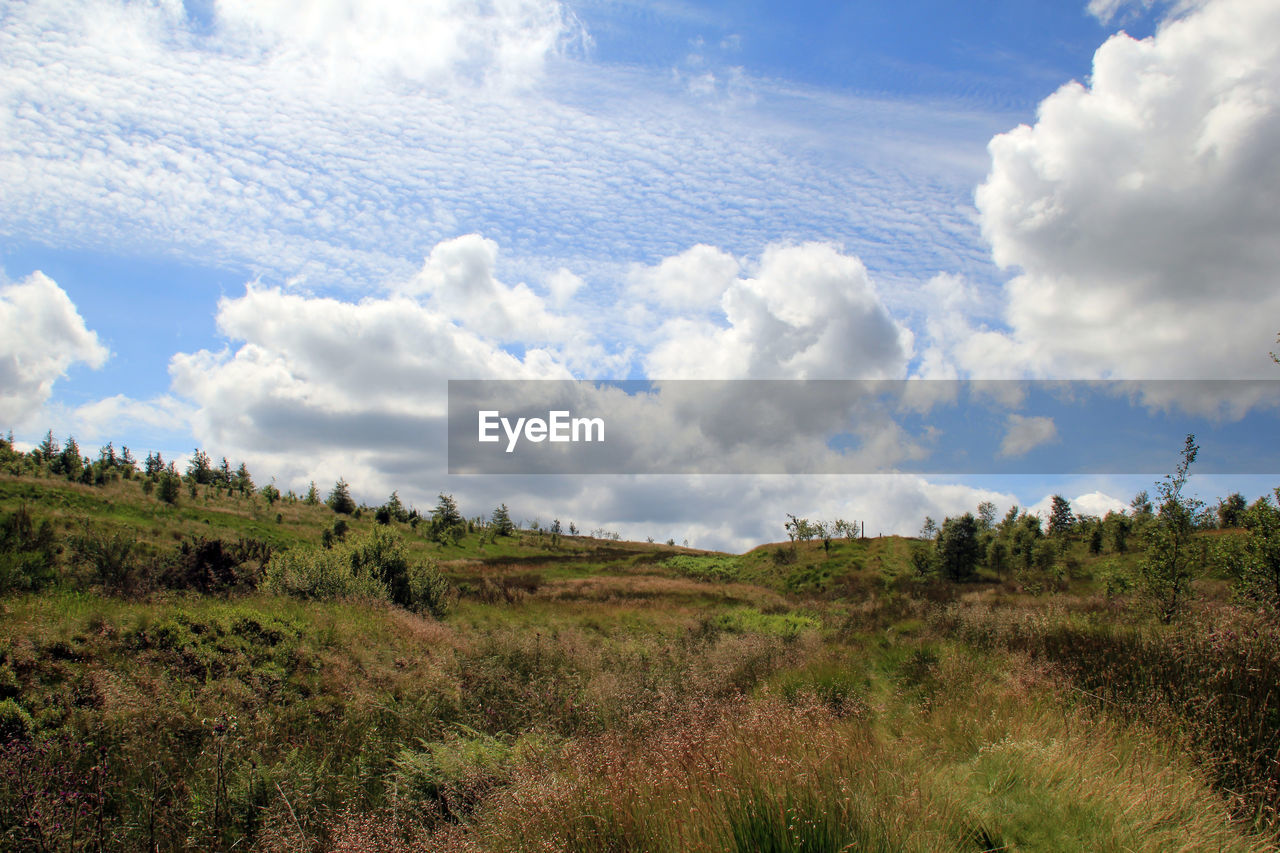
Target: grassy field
597 695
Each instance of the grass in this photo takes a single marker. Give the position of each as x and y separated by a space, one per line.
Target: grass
603 696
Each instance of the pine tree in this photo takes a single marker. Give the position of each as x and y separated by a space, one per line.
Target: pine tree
1061 518
128 465
501 522
340 498
313 495
71 464
395 509
199 469
154 466
170 484
243 482
48 448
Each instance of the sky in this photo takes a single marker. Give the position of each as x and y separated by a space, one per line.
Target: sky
276 230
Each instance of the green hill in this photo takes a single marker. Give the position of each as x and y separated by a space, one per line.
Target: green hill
544 691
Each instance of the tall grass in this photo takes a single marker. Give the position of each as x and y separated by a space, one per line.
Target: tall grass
1211 680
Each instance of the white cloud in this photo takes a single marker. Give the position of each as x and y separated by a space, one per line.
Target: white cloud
1091 503
1139 211
562 285
809 312
459 278
316 388
506 42
1024 434
319 387
41 336
123 127
695 279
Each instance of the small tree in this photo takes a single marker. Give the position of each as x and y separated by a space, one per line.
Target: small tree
154 466
1118 526
998 557
340 498
1095 540
313 495
501 522
1061 519
924 560
986 515
243 483
69 461
1231 510
48 449
1168 568
396 509
169 484
958 547
1255 558
200 469
447 523
1141 510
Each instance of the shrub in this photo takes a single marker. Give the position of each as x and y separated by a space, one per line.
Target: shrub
321 574
428 589
453 775
26 552
210 565
15 722
375 565
112 559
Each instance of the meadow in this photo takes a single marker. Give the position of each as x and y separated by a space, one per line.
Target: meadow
163 687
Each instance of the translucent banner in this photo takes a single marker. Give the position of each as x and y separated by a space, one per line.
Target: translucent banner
860 427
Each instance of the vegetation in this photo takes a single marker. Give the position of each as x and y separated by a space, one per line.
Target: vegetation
237 669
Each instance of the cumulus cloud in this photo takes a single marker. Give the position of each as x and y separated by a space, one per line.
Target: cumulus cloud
562 285
313 387
1091 503
696 279
1024 433
459 278
1139 211
41 335
324 387
809 312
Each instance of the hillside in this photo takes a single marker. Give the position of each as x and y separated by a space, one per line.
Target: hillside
572 693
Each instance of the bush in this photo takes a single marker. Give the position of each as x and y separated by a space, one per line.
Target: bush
321 574
428 589
453 775
210 565
15 722
26 552
112 559
375 565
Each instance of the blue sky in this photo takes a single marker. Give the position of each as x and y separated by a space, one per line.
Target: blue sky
274 230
